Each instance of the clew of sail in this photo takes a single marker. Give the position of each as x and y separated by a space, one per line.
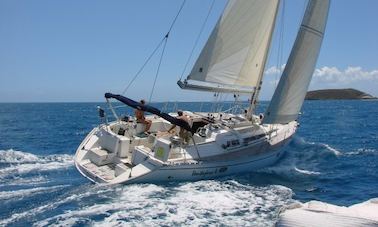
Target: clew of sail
236 51
292 87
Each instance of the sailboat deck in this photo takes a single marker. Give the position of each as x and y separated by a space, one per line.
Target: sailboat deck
105 172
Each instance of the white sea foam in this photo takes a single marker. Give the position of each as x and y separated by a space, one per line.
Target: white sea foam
23 162
195 203
307 172
14 194
302 151
301 142
38 167
17 181
333 150
76 195
289 170
361 151
11 156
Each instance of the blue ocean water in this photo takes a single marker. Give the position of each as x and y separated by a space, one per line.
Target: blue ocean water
332 158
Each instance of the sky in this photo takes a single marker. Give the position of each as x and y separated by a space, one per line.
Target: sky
75 51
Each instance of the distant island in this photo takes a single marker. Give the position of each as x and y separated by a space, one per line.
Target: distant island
348 93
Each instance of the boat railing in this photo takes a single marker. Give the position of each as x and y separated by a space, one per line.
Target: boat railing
166 108
127 112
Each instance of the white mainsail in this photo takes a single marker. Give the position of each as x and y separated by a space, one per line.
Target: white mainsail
292 87
236 51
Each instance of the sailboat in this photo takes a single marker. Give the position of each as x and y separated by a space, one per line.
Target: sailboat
221 143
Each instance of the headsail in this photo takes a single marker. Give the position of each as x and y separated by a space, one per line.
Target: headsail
292 87
236 51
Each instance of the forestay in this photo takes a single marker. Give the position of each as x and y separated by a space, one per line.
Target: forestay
236 51
292 87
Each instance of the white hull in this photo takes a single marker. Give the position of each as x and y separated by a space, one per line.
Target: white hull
201 171
213 160
211 170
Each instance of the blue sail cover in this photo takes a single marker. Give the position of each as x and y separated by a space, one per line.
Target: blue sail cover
150 109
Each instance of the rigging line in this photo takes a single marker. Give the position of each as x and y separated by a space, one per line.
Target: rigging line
224 101
164 46
218 108
282 33
216 103
158 46
174 20
144 64
220 102
280 45
197 39
278 66
158 68
213 102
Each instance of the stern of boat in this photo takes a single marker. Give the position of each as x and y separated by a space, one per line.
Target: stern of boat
106 156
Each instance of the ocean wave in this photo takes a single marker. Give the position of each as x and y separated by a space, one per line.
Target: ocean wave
23 162
195 203
362 151
19 157
17 181
302 159
307 172
14 194
12 157
313 148
289 170
76 195
331 149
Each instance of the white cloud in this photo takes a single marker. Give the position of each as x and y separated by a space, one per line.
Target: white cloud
274 70
328 77
347 76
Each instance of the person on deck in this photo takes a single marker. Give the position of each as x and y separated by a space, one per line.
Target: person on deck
184 134
139 114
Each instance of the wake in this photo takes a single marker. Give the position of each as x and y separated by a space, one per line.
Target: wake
15 163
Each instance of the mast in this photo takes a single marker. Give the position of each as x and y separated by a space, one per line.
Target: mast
256 92
292 87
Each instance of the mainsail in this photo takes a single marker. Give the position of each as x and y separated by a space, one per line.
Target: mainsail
234 56
292 87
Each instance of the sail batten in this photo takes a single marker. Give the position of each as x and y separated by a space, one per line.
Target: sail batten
296 77
236 51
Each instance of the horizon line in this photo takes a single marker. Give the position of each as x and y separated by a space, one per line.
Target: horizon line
36 102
